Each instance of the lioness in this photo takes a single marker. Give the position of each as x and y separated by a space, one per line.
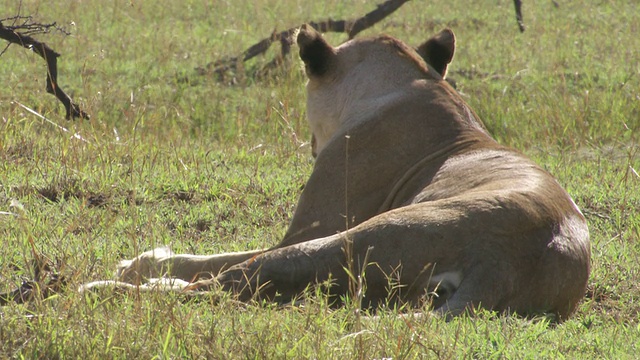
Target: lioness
410 191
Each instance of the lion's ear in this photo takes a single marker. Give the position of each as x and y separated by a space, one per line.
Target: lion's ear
438 51
316 53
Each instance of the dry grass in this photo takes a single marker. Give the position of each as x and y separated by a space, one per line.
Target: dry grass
208 166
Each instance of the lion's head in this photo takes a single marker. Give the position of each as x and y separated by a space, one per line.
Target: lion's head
342 87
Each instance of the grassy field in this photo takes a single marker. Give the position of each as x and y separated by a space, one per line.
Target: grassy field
174 158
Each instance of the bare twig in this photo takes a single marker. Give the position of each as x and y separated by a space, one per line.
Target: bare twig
27 26
62 128
24 39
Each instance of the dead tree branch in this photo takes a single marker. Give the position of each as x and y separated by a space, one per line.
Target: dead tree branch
21 35
351 27
518 6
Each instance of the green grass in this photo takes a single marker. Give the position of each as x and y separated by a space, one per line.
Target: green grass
206 166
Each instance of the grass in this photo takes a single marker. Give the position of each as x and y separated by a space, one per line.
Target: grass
207 166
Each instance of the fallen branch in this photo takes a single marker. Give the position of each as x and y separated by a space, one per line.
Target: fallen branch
14 36
351 27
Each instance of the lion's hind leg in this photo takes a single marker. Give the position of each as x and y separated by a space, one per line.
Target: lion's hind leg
155 284
162 270
481 288
163 263
143 267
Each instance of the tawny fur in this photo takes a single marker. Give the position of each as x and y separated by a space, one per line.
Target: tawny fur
406 176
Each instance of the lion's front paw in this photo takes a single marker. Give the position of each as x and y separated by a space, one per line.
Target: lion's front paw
146 266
